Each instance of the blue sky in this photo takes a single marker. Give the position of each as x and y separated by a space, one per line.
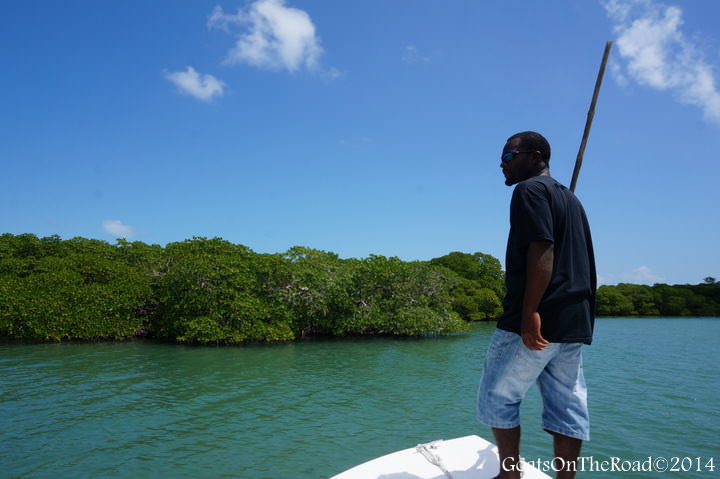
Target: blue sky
361 127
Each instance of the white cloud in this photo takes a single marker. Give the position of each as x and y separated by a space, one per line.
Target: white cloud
658 54
202 87
412 55
619 10
332 73
643 275
639 275
118 229
274 36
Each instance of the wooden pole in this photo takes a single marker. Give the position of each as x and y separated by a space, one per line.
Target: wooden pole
590 115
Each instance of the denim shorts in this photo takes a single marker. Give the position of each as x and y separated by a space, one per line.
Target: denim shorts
510 370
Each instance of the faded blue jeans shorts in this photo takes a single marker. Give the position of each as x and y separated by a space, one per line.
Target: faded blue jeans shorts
510 370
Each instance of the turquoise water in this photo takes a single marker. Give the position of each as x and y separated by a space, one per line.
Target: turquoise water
312 409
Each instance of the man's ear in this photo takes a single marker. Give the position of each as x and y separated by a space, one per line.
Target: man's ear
537 158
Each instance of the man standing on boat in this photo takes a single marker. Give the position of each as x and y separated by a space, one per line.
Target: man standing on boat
549 311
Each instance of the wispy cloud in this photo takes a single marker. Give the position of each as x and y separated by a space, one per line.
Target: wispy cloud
273 36
202 87
639 275
118 229
411 56
658 54
642 275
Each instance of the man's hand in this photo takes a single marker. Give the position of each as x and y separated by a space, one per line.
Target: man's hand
530 332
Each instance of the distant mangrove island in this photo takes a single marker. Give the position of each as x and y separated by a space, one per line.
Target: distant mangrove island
211 291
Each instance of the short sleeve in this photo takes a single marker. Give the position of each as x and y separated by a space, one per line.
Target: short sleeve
530 213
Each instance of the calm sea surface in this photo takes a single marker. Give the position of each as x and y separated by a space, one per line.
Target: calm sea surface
312 409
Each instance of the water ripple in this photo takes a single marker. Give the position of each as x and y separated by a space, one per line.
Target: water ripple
312 409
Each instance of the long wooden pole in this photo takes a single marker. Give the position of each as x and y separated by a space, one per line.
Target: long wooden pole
590 115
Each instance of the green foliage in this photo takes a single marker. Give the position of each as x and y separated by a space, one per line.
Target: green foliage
213 291
398 298
314 288
477 286
611 302
76 289
481 268
376 295
659 300
642 298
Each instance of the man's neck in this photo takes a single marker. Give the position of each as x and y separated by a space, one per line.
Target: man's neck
543 172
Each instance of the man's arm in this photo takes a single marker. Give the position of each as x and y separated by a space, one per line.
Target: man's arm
539 270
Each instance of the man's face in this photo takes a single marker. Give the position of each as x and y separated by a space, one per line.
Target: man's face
520 167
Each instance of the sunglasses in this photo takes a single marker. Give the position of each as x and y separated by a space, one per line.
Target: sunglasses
510 155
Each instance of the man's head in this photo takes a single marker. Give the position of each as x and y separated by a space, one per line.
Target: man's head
525 155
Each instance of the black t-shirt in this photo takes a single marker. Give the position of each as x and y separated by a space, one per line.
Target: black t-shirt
544 210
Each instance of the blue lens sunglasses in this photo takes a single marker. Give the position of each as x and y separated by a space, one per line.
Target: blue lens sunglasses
510 155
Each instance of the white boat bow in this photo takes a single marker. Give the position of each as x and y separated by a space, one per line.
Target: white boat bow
469 457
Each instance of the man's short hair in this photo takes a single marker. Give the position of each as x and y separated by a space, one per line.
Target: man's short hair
532 141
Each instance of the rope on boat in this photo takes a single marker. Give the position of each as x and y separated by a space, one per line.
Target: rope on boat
434 459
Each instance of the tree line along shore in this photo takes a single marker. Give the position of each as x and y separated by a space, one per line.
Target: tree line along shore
213 291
